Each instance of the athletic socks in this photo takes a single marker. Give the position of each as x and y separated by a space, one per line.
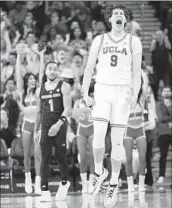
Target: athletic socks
114 178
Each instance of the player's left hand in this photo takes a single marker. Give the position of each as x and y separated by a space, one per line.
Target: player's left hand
54 129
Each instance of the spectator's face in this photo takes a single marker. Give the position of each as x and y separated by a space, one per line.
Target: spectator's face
59 39
60 56
30 39
77 60
67 57
73 25
28 20
48 58
93 4
58 5
30 5
160 35
54 18
166 93
117 20
19 6
51 71
82 16
12 59
77 32
10 86
22 41
93 25
128 27
100 26
43 38
31 82
2 44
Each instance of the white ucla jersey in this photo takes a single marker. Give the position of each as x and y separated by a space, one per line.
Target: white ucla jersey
115 60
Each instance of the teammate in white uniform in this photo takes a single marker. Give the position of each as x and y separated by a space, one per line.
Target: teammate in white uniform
118 81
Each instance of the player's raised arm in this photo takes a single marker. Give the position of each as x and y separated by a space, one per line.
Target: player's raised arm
137 60
91 62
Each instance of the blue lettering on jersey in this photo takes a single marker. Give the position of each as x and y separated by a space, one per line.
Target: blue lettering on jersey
112 49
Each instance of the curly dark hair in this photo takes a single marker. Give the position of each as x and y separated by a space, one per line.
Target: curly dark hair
109 9
25 86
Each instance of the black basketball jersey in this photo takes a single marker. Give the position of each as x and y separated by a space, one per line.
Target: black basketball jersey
51 103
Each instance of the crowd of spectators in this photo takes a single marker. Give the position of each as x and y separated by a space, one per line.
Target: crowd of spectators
65 31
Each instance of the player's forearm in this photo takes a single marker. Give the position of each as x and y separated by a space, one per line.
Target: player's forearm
86 81
67 111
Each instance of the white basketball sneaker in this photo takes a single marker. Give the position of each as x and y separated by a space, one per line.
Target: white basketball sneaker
28 183
97 181
37 185
84 188
160 179
111 196
45 196
62 191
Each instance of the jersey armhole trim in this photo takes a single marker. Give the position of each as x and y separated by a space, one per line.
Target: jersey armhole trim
130 44
101 43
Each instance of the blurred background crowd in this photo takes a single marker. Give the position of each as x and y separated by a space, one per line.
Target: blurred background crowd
65 31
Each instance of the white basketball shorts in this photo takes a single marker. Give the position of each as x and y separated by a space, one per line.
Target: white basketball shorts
112 104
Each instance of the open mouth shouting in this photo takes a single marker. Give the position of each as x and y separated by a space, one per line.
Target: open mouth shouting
119 21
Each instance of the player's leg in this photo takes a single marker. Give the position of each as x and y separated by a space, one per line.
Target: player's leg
60 146
27 147
100 117
46 143
128 146
141 145
82 150
119 117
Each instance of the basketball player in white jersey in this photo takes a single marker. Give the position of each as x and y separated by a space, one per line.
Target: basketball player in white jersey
118 82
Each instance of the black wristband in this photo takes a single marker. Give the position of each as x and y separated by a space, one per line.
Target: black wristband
63 118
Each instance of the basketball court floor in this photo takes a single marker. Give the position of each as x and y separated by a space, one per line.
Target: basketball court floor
153 199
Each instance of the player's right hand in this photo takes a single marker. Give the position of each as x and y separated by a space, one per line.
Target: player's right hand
88 101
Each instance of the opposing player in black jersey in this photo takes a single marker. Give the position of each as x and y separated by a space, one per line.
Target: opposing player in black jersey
54 106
